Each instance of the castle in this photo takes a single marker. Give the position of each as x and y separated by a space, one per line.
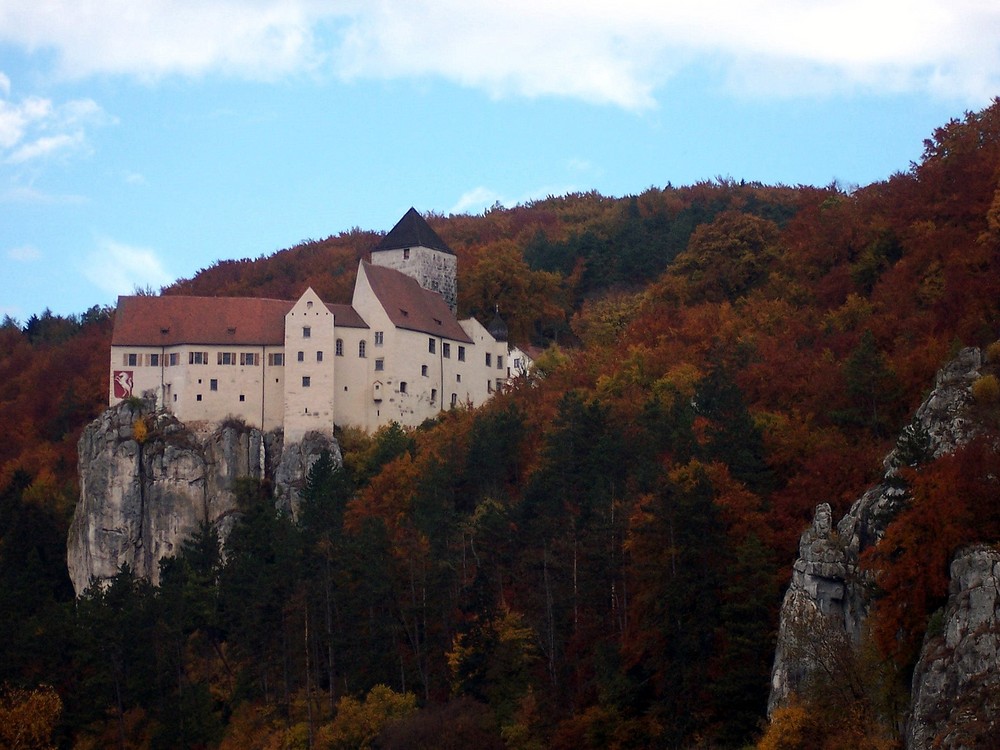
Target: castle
396 353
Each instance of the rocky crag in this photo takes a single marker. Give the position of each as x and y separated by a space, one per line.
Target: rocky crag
147 481
829 595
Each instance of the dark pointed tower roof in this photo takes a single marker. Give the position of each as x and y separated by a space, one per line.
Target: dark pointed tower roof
497 328
412 231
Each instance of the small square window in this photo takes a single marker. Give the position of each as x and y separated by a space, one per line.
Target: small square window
133 360
243 397
198 397
305 381
306 332
379 364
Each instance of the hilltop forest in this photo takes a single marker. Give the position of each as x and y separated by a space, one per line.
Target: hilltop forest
596 558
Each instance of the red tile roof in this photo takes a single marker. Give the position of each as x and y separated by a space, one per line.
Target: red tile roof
346 316
240 321
412 307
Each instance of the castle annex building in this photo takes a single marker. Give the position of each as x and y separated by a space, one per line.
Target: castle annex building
396 353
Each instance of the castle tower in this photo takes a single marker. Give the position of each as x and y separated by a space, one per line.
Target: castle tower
415 249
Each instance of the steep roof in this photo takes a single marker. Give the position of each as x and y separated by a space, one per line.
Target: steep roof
241 321
412 231
172 320
345 316
412 307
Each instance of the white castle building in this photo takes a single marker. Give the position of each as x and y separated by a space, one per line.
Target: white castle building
396 353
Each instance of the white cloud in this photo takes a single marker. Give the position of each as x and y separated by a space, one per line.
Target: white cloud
133 178
36 128
24 254
117 268
477 199
608 53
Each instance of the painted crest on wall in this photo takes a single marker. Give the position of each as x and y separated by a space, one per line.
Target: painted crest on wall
123 383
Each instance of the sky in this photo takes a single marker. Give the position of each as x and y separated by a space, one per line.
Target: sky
144 140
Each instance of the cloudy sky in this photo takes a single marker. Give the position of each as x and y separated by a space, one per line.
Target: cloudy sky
142 140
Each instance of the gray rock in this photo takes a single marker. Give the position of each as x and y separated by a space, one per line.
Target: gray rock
828 590
956 682
140 499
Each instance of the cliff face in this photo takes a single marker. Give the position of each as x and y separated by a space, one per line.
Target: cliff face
956 683
147 481
828 594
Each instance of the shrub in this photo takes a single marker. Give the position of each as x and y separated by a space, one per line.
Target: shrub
993 353
986 390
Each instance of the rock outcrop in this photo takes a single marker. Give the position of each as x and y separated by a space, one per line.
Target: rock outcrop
956 683
828 592
147 481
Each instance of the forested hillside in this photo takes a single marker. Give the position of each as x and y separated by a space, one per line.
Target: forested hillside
594 559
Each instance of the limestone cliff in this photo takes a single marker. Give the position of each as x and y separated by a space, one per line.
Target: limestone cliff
956 683
147 481
827 590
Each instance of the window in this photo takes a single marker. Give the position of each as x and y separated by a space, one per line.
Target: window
461 353
226 358
198 397
132 360
380 364
454 399
489 386
499 385
249 359
499 361
276 359
446 350
197 358
458 377
339 351
423 370
305 381
306 332
489 359
302 357
362 349
319 356
430 346
213 385
154 360
379 338
402 386
434 395
406 253
173 360
243 397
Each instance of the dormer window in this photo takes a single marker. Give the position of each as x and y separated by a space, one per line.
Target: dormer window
231 330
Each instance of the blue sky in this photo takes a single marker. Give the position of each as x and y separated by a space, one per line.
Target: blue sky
142 140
